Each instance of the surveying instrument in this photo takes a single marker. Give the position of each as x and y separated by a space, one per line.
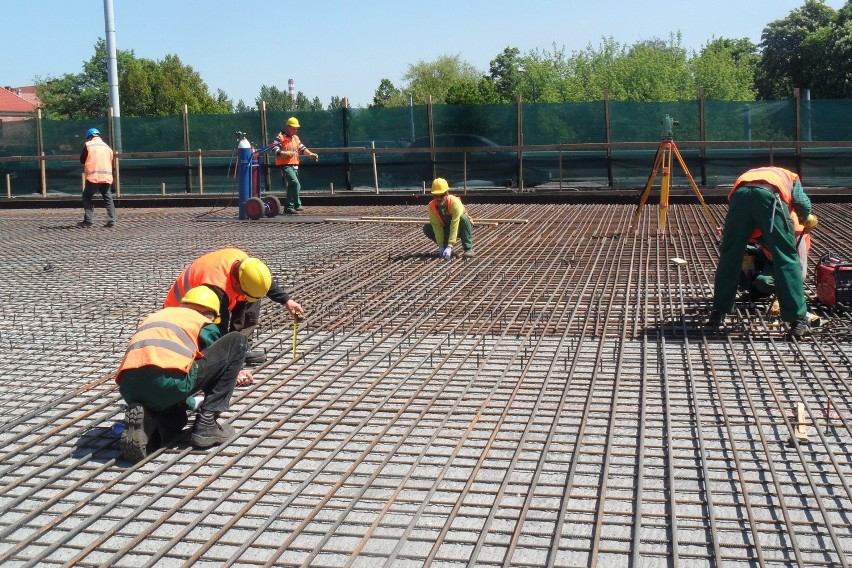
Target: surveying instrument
663 159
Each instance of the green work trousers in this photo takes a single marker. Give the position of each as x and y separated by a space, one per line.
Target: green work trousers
758 208
465 232
290 179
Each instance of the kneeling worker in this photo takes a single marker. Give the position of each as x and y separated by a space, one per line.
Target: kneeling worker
174 353
448 222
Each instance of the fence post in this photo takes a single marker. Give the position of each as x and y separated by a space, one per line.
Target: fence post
702 135
431 126
40 152
347 158
200 174
797 99
519 109
608 138
268 157
186 161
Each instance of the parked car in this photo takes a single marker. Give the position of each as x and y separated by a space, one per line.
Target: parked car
487 166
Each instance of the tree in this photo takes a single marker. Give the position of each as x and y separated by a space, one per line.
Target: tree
434 78
726 69
505 73
146 88
278 100
387 95
827 57
782 66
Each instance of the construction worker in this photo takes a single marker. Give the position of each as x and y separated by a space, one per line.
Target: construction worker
761 202
287 158
758 277
174 353
448 222
97 158
239 281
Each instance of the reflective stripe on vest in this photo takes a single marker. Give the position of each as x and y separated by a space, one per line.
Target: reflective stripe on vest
98 167
212 269
288 144
167 339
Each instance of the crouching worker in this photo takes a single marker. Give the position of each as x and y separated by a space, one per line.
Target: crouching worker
448 222
174 353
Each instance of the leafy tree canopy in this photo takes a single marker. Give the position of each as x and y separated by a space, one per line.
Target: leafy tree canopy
146 88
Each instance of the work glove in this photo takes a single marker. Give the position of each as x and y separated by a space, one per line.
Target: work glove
447 253
810 223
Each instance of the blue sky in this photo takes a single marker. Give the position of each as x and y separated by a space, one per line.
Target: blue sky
344 48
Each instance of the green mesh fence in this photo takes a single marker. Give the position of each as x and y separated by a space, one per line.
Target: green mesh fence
470 145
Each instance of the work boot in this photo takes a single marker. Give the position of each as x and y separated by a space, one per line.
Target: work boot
109 224
799 328
468 253
84 224
715 319
138 428
255 357
208 432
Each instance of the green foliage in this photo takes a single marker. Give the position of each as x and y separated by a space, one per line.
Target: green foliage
279 100
434 79
782 65
146 88
827 57
726 68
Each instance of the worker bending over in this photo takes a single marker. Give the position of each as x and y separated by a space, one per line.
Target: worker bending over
763 204
448 222
240 281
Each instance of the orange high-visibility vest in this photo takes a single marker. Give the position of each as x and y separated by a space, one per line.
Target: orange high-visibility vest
451 199
167 339
98 166
288 144
214 269
782 180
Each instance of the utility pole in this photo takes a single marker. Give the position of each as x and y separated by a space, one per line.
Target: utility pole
112 71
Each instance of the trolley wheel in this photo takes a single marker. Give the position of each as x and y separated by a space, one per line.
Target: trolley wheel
273 205
254 208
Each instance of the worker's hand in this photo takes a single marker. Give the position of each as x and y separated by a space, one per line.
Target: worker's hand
810 223
447 253
244 378
295 309
315 157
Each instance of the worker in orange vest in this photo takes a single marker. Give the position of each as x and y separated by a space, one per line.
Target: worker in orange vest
761 202
287 158
240 281
97 158
176 352
448 222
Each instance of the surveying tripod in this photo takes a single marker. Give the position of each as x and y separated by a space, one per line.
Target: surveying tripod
663 159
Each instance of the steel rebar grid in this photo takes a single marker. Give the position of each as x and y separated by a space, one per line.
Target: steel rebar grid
552 402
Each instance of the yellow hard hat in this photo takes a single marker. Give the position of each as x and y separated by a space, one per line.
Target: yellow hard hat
255 279
440 186
293 121
204 297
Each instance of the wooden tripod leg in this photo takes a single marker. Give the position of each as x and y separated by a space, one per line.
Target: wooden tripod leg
707 212
658 160
665 186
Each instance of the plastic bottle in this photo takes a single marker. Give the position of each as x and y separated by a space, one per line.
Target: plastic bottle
117 428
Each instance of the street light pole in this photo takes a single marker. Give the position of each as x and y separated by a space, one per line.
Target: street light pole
522 69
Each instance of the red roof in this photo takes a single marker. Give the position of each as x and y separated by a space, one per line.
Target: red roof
12 102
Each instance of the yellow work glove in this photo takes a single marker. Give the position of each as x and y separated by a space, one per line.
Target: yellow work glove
810 223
